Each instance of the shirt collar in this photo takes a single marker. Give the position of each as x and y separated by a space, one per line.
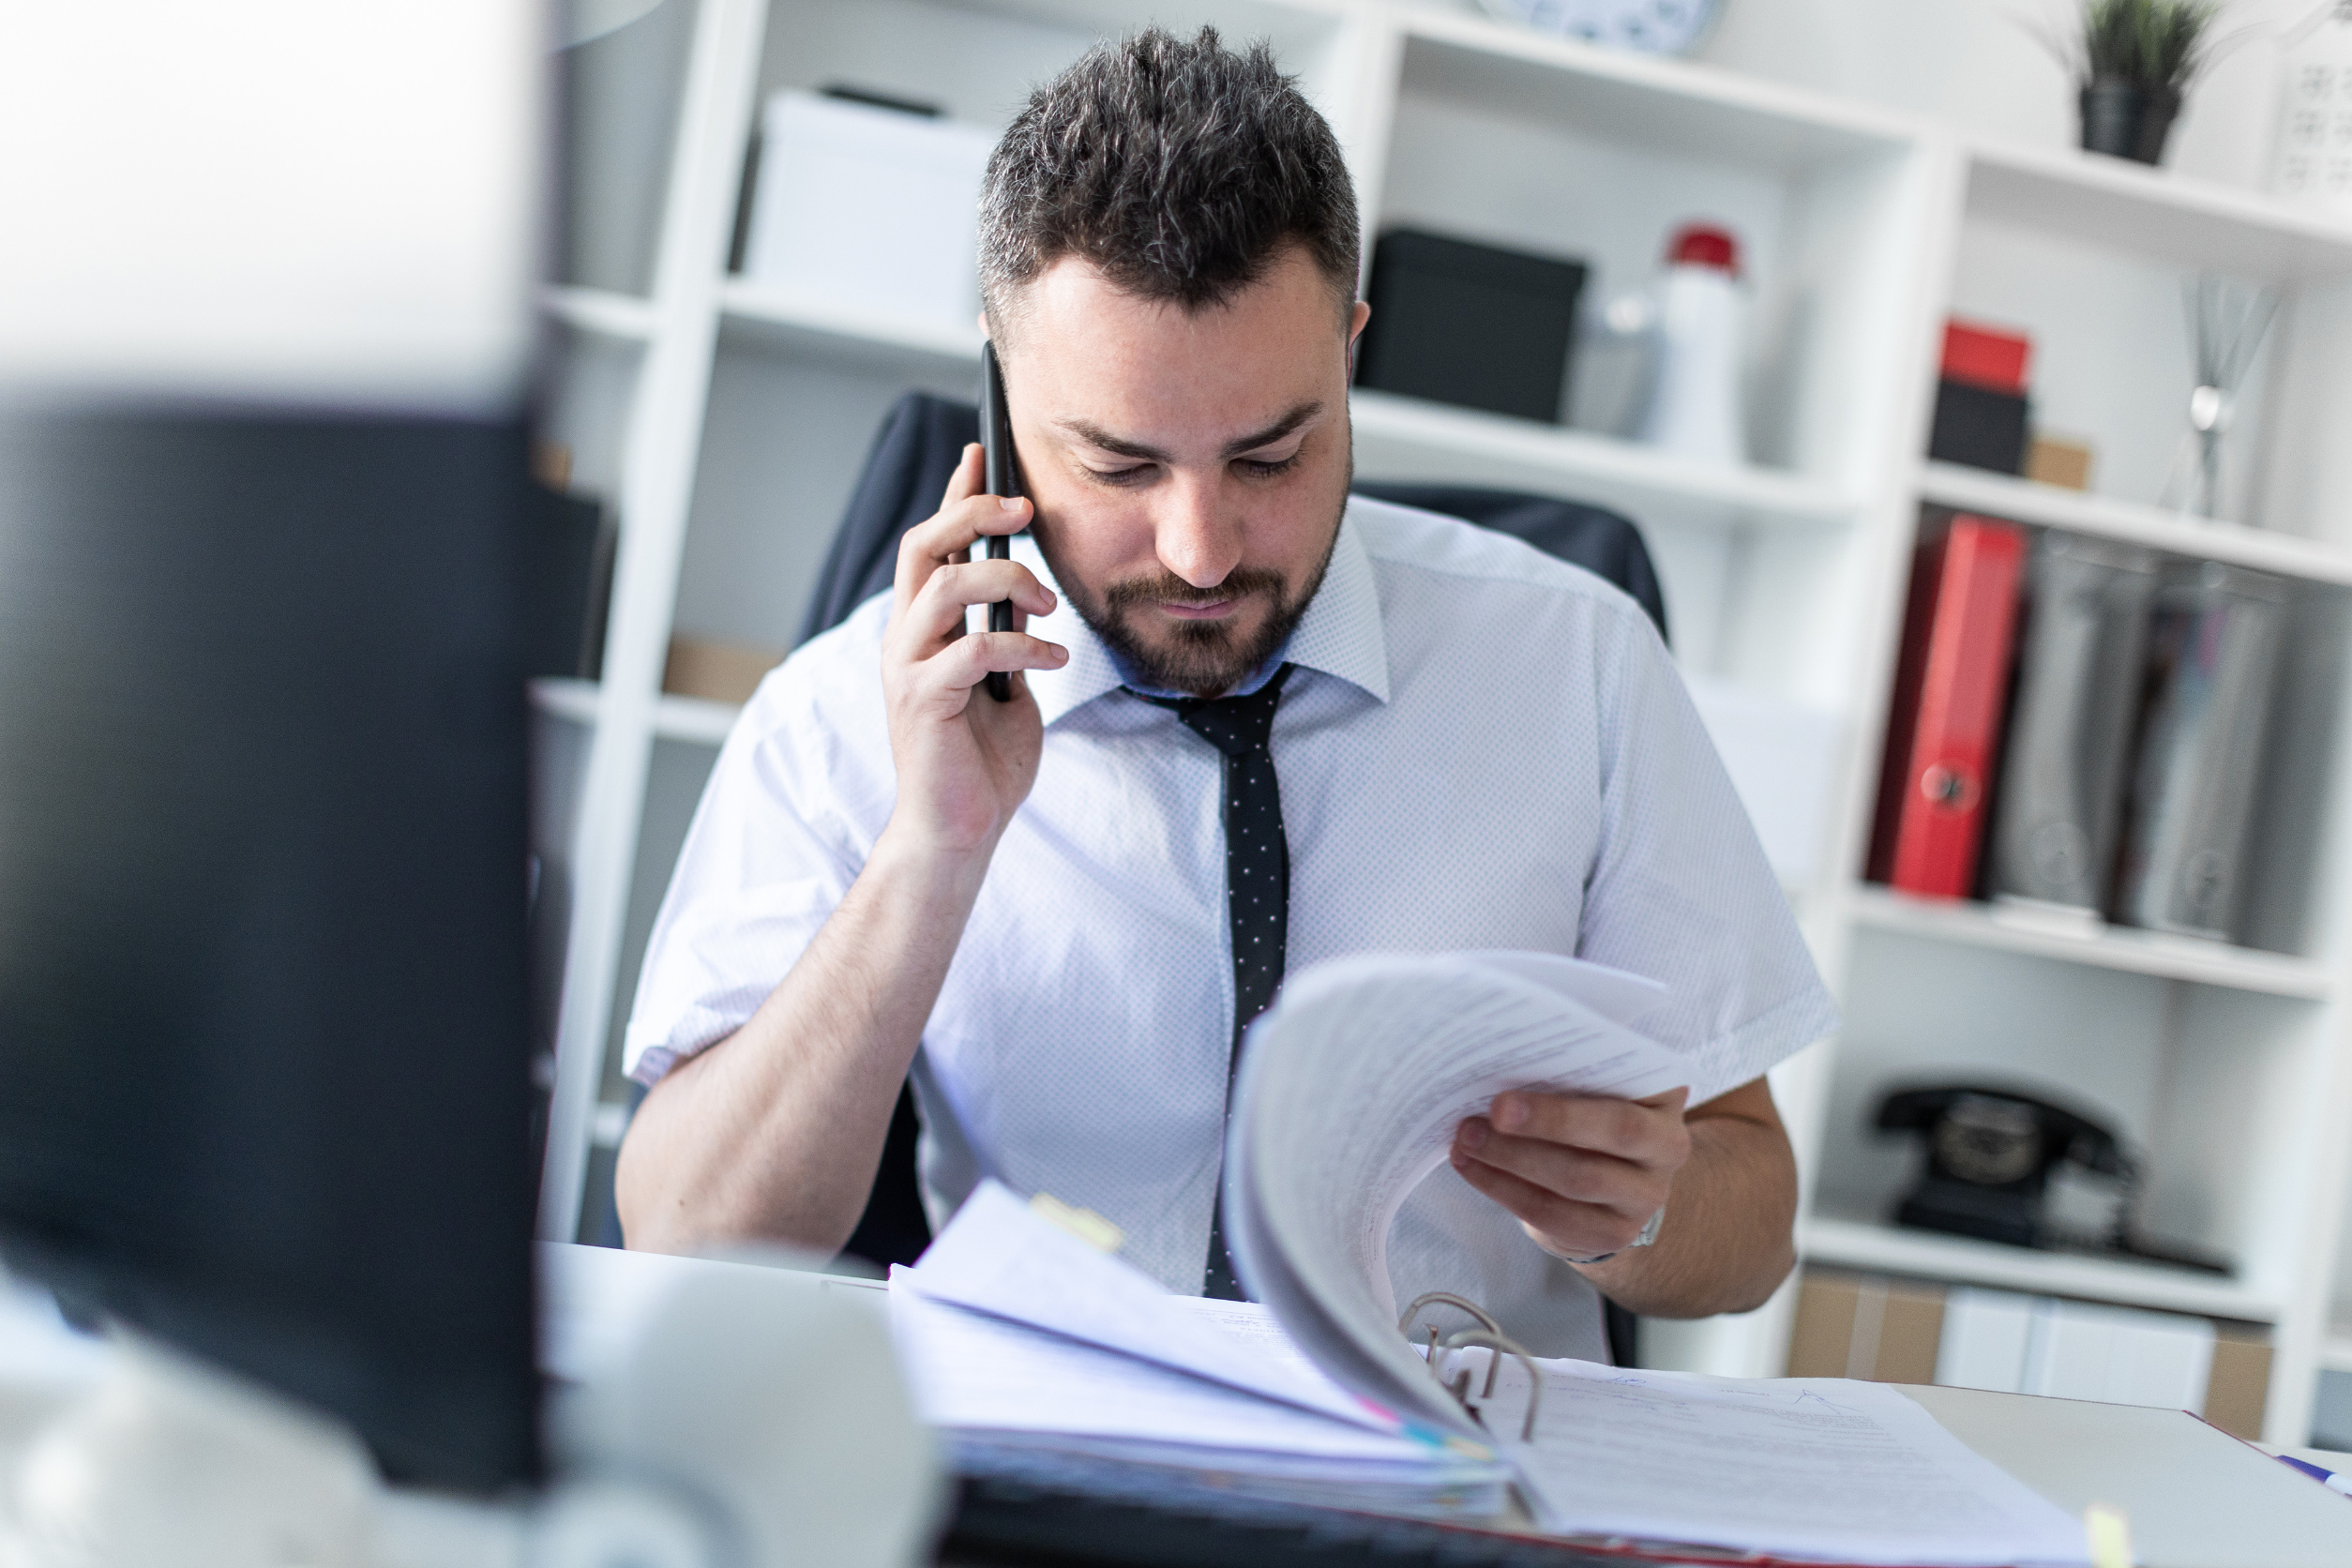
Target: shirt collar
1340 634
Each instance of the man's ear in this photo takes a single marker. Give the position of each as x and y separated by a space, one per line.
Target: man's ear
1356 318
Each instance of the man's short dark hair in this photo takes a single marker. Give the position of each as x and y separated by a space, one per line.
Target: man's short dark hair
1180 169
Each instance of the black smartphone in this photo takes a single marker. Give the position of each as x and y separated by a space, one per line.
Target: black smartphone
1001 472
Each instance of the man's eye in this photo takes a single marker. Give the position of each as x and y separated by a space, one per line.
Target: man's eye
1121 477
1258 468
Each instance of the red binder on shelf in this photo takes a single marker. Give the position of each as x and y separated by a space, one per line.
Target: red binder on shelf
1950 689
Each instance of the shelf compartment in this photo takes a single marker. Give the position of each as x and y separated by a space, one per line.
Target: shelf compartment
1973 489
2135 952
1858 1243
2117 205
624 318
1561 149
1674 105
1408 438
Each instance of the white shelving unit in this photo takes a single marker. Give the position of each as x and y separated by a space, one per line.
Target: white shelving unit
728 420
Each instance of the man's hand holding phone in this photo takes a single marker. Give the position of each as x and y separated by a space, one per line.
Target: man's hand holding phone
965 764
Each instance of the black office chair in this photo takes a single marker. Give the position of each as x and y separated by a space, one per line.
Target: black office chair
921 442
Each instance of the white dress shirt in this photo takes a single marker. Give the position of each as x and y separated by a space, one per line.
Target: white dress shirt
1481 746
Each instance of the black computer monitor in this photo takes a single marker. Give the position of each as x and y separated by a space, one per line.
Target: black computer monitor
264 1080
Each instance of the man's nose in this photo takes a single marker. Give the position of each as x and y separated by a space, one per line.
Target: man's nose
1196 537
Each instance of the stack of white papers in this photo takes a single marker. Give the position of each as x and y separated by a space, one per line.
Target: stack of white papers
1021 1338
1792 1466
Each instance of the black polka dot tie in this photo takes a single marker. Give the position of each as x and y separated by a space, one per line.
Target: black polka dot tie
1257 884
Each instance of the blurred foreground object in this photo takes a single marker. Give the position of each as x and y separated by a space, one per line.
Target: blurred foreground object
580 21
272 200
266 328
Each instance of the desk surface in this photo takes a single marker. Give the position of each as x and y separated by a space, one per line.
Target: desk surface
2195 1497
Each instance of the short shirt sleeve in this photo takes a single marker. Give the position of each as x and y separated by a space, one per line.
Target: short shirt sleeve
775 844
1680 890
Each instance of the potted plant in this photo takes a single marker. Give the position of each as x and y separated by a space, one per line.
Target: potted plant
2133 59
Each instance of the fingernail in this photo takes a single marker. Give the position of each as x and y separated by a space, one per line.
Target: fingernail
1473 1134
1061 654
1510 1113
1010 503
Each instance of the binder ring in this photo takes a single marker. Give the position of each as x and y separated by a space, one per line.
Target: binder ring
1442 1297
1498 1346
1490 1336
1445 1298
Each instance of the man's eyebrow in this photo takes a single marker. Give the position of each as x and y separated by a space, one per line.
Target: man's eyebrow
1094 435
1274 431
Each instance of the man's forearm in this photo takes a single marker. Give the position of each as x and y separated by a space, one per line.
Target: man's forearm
774 1133
1725 1243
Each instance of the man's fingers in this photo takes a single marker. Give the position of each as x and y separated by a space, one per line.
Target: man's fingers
1563 1169
965 480
1562 1225
969 660
1644 1131
936 613
948 538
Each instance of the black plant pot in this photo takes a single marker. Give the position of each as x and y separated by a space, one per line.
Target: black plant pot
2125 119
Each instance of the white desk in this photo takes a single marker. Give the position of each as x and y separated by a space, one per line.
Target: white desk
2195 1497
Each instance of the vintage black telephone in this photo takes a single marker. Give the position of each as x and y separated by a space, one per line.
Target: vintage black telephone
1990 1153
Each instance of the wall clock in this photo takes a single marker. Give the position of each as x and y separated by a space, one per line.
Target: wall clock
1651 27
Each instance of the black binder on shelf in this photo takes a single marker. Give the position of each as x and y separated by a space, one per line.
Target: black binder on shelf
2215 641
2079 670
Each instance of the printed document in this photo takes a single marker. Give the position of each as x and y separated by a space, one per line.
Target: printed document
1813 1467
1021 1337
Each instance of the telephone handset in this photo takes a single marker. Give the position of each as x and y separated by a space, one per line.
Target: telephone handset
1990 1153
1001 477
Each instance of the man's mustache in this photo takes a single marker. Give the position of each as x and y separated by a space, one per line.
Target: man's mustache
1168 588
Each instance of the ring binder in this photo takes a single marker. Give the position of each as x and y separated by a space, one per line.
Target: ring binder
1490 1336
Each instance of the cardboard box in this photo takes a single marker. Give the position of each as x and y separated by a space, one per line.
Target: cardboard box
2239 1387
2053 460
1906 1332
716 671
1879 1330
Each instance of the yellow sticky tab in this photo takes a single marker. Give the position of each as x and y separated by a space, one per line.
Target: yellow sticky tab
1085 1224
2109 1536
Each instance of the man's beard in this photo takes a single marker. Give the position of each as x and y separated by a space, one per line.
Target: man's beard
1204 657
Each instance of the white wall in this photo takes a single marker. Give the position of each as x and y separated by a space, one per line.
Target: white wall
1981 67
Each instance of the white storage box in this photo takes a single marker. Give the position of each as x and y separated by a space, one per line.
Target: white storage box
873 209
